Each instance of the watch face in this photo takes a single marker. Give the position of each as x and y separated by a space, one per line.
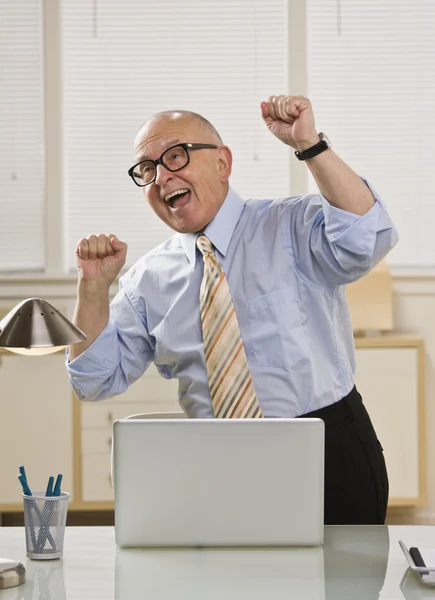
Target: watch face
325 138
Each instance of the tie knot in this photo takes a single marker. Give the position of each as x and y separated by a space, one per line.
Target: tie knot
204 245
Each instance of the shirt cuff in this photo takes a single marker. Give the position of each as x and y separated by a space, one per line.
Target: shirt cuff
339 221
102 354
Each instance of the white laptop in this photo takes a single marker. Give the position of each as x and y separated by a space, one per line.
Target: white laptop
218 482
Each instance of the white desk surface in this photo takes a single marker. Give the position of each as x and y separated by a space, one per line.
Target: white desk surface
355 563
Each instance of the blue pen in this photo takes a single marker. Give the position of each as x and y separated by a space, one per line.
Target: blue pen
44 532
49 491
23 473
56 491
23 481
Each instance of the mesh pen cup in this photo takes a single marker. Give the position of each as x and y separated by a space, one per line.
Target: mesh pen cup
44 524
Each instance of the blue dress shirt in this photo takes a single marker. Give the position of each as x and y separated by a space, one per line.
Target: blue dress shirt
287 261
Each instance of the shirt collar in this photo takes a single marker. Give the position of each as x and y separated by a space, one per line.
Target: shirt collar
220 230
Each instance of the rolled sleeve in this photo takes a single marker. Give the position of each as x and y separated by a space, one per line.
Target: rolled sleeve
334 247
96 363
356 233
116 358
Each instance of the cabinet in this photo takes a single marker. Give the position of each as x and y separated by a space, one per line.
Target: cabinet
36 424
44 427
390 378
94 420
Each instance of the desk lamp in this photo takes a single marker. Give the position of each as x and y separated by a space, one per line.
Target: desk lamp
33 327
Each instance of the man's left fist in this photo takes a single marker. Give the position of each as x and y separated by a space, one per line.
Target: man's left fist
291 120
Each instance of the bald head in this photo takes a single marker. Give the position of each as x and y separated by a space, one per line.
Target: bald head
180 115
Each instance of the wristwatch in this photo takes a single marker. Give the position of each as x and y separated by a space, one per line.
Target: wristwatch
324 144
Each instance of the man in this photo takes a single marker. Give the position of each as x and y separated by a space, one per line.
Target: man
245 305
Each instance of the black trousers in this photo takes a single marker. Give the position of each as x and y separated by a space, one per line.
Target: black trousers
356 480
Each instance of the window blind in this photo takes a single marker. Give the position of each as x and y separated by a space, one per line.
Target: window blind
22 137
370 70
125 61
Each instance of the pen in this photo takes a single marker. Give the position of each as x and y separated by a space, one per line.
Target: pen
56 491
45 530
23 472
49 491
27 491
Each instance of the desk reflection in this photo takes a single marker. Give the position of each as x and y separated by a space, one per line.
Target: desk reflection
351 564
356 559
44 580
242 574
413 589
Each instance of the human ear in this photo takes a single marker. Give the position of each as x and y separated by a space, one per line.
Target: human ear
225 163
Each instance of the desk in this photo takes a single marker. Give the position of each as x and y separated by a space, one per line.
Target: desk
356 562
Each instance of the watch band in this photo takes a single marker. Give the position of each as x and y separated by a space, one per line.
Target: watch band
324 144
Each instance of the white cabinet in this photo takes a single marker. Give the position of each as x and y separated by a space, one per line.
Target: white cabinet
389 376
36 423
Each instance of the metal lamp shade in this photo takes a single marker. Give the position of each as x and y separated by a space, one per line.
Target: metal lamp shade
35 327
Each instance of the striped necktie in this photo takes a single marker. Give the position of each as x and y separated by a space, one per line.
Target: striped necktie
229 379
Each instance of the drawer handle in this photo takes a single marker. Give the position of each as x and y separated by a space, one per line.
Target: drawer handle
109 442
110 417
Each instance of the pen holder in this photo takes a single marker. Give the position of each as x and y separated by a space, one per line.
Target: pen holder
44 523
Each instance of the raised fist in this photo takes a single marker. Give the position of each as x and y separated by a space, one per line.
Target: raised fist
291 120
100 258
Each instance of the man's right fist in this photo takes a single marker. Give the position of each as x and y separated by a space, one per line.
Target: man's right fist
100 258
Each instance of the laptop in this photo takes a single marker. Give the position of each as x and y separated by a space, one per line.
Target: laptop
218 482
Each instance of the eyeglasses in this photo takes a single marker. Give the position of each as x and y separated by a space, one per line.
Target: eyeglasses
174 158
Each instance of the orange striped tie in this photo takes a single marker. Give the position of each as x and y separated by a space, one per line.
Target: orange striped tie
229 379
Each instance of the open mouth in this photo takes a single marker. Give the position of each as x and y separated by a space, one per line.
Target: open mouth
178 198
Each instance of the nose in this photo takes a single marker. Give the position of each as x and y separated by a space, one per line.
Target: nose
162 174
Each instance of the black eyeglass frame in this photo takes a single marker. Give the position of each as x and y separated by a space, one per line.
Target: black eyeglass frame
186 146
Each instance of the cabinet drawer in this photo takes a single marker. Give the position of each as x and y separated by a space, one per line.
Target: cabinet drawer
151 387
97 441
103 414
96 478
